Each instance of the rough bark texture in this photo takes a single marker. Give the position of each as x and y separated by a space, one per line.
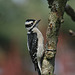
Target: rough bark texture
56 18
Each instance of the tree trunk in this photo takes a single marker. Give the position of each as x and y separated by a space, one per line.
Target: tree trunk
54 22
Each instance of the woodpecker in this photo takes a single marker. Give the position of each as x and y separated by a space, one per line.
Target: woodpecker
35 43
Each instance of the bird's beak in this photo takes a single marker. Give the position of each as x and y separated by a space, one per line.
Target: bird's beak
37 22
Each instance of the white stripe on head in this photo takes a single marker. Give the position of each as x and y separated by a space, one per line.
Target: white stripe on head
29 22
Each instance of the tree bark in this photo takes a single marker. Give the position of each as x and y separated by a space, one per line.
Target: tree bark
54 22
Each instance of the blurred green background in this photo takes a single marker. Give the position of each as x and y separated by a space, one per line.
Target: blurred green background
13 35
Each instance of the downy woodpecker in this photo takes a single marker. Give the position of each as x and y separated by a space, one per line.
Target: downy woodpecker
35 43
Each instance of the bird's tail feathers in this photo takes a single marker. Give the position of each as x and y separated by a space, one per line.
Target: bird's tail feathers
38 70
39 73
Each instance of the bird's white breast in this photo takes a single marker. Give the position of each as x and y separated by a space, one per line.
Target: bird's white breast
40 49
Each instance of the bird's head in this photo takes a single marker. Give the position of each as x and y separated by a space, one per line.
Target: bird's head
31 23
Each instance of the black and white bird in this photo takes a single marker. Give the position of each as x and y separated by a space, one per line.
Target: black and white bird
35 43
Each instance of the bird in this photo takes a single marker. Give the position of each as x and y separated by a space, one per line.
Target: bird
35 43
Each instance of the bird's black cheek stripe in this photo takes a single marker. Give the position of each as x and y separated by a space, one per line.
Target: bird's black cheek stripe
28 25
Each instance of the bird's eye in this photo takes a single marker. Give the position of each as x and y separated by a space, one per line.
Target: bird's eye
28 25
31 23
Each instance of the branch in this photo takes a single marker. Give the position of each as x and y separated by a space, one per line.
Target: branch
70 11
56 16
72 33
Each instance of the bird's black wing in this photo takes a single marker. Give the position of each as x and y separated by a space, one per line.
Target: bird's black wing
32 43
